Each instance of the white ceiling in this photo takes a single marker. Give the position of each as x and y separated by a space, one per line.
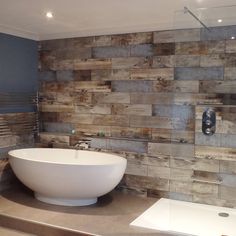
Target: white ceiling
26 18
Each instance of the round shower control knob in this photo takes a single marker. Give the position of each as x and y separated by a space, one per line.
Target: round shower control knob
208 122
208 131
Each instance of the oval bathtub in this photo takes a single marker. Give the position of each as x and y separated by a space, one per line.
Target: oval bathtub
65 176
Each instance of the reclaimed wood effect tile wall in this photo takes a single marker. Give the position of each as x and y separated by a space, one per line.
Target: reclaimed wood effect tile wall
142 95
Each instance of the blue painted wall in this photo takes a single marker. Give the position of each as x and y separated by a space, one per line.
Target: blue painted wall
18 67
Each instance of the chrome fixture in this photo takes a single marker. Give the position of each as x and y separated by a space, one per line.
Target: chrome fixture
209 122
223 214
82 145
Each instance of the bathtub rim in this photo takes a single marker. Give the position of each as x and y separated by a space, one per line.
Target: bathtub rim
121 160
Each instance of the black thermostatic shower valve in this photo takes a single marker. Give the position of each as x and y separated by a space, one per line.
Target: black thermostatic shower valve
209 122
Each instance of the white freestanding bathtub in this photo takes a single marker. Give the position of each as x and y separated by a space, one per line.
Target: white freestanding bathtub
65 176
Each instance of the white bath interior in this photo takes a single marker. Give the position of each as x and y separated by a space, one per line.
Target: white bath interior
67 177
188 218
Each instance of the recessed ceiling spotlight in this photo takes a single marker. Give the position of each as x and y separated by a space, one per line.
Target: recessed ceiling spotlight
49 14
232 37
219 20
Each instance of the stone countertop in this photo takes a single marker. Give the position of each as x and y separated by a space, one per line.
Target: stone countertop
9 232
110 216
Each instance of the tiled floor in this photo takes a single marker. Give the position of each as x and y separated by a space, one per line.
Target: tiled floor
110 216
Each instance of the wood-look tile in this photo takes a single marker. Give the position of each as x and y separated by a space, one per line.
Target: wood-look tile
145 93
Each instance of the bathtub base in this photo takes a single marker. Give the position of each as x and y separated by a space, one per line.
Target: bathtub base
65 201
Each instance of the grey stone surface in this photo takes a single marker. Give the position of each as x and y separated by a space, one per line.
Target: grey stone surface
187 35
141 50
119 145
173 111
10 232
230 46
227 193
131 62
212 60
214 140
191 73
58 127
215 46
163 61
127 145
220 87
187 60
230 60
47 76
230 73
110 75
100 41
228 180
164 49
111 52
218 33
217 140
73 53
181 196
65 75
228 140
163 36
99 143
131 86
115 209
228 167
